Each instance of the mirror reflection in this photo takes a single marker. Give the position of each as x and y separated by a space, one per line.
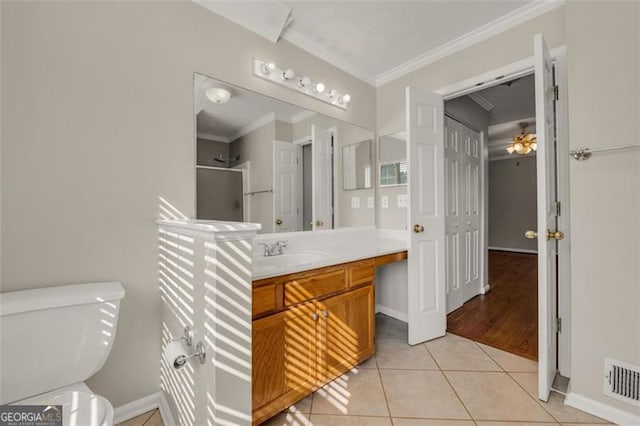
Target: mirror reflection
265 161
356 166
393 160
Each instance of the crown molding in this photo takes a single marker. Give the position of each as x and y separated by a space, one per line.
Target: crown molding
295 37
482 33
212 137
302 116
254 126
481 100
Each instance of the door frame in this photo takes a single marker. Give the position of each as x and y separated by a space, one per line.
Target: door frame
245 167
506 73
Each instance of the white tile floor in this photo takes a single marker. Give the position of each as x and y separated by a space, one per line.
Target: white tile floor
450 381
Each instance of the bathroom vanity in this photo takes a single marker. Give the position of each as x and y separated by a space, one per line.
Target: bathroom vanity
311 326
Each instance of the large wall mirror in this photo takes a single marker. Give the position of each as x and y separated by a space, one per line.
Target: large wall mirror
392 160
265 161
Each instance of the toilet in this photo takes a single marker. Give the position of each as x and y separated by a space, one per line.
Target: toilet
53 339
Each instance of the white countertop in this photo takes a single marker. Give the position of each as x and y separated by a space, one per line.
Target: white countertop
326 248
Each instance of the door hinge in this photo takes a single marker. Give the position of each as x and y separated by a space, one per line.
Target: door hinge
558 208
558 325
556 92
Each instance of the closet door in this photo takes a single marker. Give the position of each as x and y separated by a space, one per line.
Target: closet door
463 221
453 198
471 219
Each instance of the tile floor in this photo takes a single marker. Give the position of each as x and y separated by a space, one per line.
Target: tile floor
150 418
449 381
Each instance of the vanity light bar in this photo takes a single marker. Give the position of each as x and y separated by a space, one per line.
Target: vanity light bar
288 78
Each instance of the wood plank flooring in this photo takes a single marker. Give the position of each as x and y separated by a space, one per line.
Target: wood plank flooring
507 316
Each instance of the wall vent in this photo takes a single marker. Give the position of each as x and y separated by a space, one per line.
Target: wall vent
622 381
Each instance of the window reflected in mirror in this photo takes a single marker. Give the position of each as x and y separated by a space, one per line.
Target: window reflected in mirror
393 169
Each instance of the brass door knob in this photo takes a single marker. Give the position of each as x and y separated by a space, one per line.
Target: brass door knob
532 235
278 221
418 229
557 235
319 223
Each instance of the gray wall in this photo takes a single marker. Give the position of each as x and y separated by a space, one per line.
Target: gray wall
98 137
512 203
207 150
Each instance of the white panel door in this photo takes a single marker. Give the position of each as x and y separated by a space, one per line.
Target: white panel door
285 187
453 197
547 219
463 219
471 218
426 262
321 177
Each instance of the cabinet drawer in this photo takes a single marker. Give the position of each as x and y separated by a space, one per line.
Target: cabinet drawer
361 273
297 291
264 299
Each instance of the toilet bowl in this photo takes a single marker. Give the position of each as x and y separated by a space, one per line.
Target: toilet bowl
53 339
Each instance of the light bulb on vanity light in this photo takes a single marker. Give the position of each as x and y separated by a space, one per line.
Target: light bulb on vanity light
304 82
346 98
319 88
267 68
288 74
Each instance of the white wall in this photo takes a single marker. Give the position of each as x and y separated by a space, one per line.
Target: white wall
604 87
97 113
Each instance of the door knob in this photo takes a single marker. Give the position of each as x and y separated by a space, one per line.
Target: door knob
278 221
325 313
557 235
314 316
532 235
418 229
319 223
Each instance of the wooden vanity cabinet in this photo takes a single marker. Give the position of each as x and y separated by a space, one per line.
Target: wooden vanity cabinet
323 325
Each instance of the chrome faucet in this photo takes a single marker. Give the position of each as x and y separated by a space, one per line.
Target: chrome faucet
274 249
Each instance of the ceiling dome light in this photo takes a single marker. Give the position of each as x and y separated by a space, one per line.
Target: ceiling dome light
319 88
288 74
218 95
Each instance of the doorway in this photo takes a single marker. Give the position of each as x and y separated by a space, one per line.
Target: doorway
426 215
506 316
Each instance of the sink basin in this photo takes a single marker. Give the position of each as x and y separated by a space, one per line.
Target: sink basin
297 258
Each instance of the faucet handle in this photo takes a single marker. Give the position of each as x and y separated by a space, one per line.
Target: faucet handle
282 243
266 249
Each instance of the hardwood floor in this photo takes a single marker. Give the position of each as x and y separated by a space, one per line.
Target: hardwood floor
507 316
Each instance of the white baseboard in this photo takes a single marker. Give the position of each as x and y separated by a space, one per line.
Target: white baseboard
602 410
165 410
140 406
401 316
515 250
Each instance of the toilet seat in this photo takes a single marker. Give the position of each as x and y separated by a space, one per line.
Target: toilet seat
80 406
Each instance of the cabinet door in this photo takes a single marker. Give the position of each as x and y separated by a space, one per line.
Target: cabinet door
284 355
268 359
345 333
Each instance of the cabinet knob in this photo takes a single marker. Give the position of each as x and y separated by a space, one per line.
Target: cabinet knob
325 313
314 316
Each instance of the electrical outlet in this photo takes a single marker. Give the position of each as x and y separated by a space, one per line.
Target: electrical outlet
385 201
355 202
402 200
370 202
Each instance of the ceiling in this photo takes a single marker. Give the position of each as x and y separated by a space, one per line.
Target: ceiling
378 41
226 121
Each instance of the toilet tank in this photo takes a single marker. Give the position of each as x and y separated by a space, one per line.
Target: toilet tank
55 336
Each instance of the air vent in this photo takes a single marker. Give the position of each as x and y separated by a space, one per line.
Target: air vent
622 381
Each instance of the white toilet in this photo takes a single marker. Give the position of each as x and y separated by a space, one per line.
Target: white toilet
52 340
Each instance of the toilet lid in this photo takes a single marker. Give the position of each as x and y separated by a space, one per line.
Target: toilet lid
78 408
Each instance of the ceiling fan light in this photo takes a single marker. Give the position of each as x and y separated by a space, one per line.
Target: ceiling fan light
218 95
518 146
510 148
534 146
